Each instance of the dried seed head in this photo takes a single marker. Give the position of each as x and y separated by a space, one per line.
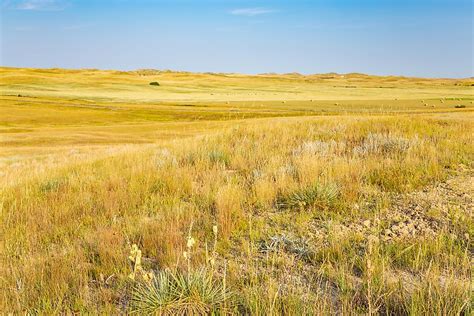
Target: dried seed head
372 239
191 242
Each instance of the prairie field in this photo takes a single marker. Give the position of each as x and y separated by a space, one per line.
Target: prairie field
271 194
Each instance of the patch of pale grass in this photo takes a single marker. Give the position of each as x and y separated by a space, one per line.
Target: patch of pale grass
384 144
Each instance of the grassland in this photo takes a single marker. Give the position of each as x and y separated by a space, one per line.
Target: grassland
330 193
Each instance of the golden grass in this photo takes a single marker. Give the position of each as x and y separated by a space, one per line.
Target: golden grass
95 161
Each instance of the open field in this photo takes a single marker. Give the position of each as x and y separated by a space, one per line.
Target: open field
330 193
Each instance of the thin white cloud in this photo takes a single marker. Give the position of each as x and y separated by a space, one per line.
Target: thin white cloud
41 5
251 11
75 27
23 28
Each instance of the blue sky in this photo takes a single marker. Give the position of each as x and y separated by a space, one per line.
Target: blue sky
430 38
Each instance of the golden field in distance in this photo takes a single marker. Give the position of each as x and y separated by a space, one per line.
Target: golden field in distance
329 193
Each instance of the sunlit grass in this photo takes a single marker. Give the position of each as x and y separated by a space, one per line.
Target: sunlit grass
301 201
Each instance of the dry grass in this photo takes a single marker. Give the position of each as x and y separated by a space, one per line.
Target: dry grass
287 193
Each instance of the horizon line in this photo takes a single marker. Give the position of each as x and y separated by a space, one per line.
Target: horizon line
268 73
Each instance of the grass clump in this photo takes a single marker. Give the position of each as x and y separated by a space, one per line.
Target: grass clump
316 196
174 292
52 185
219 158
432 295
297 246
439 298
376 143
320 148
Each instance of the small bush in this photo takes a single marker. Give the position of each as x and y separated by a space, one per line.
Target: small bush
154 83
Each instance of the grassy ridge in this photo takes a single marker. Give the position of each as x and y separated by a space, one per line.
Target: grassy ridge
134 86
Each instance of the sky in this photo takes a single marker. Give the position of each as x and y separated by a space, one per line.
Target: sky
425 38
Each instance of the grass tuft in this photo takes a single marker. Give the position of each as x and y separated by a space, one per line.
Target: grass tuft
176 293
316 196
383 144
219 158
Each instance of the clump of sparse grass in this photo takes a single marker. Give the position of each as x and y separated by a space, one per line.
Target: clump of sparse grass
376 143
165 158
437 297
297 246
320 148
431 295
219 158
52 185
315 196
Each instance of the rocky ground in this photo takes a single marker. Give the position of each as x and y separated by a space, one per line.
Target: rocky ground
438 209
425 213
443 207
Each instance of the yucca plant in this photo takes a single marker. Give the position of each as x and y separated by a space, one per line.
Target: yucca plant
317 195
175 293
172 292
